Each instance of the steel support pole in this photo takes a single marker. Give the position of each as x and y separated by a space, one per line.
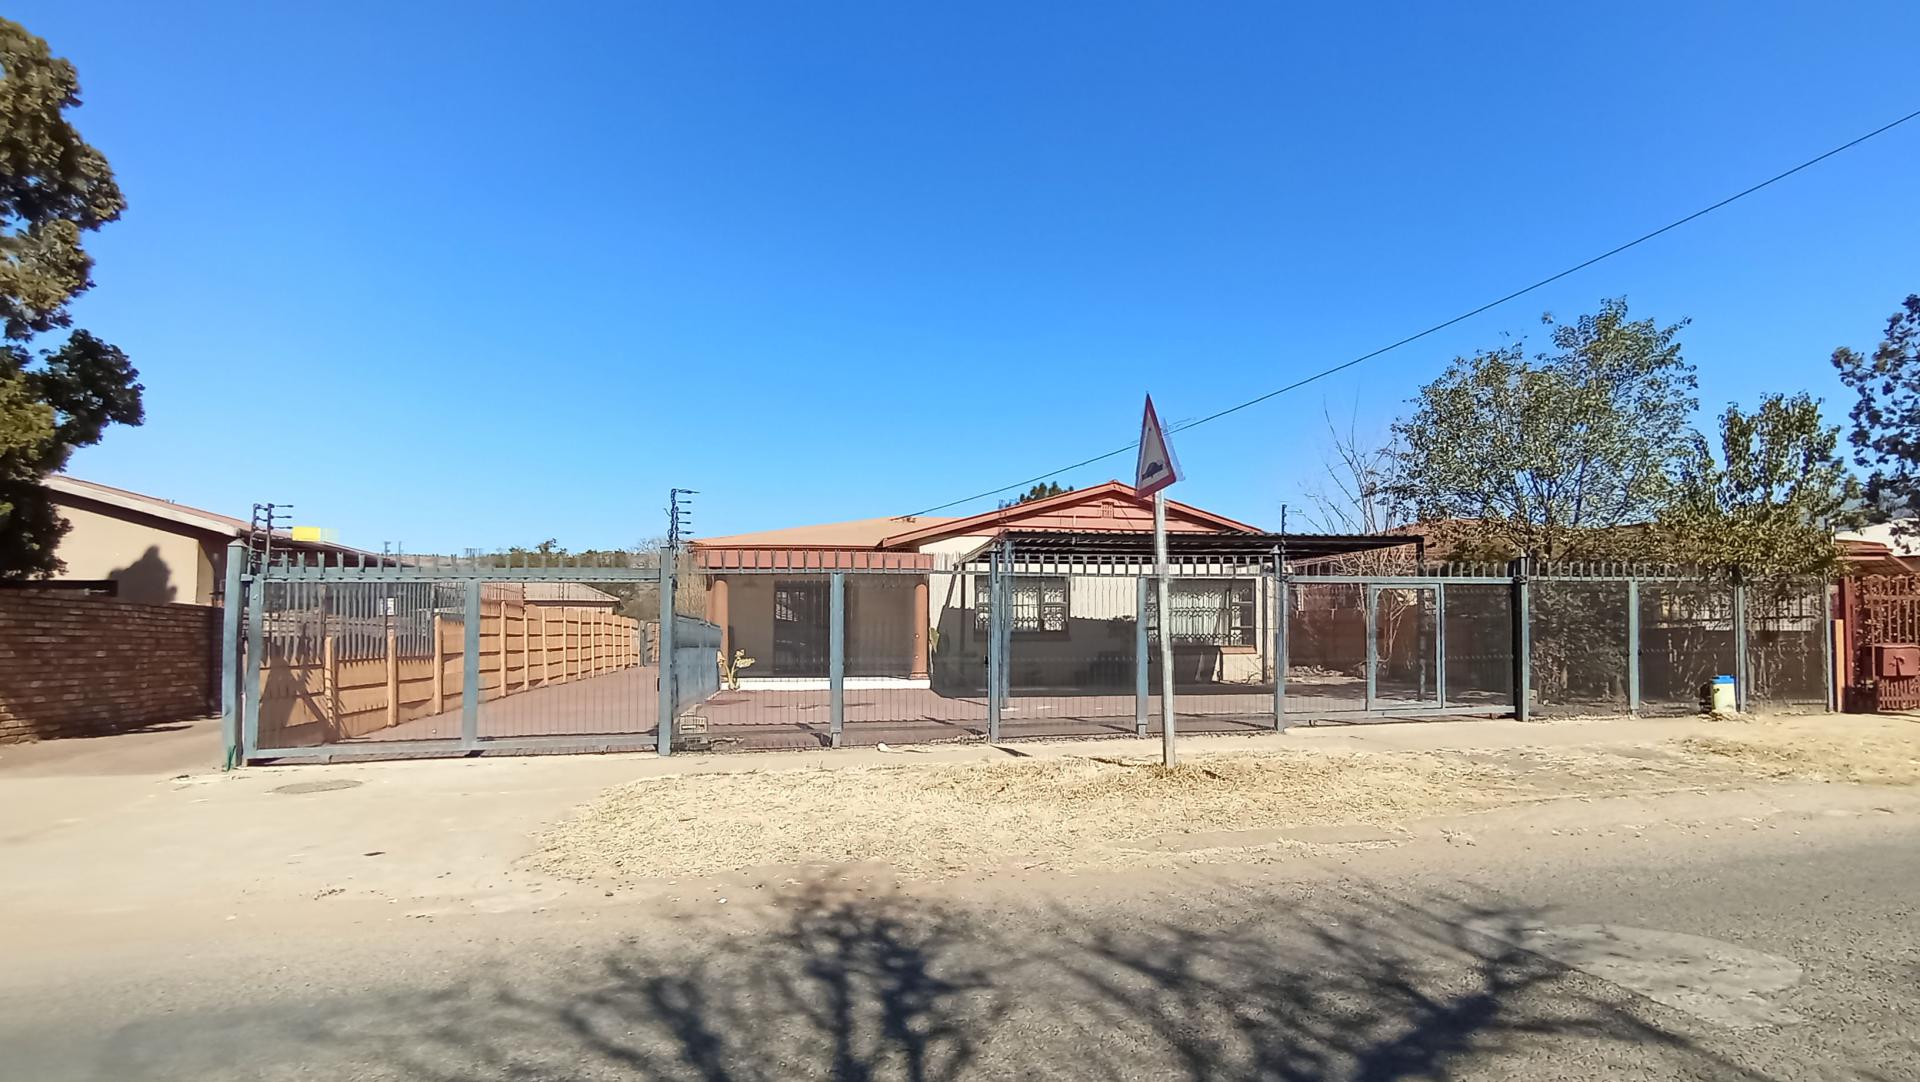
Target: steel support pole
1168 755
1523 644
256 656
1633 646
470 667
663 740
233 604
837 654
1142 669
1440 643
1740 666
1280 650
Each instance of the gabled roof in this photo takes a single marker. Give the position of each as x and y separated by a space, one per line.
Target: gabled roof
192 517
1108 507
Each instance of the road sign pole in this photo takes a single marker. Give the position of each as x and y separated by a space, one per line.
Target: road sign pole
1167 754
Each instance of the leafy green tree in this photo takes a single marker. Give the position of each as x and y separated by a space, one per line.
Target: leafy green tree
55 394
1547 456
1038 492
1771 499
1886 413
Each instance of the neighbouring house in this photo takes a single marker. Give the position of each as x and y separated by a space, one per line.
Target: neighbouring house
1889 548
151 550
917 617
567 595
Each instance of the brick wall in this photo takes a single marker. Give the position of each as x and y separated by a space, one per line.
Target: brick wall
76 665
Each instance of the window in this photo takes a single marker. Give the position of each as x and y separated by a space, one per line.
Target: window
1039 603
1207 612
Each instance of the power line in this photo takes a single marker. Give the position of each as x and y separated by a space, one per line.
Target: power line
1437 327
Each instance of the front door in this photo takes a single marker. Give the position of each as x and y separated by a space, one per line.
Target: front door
800 628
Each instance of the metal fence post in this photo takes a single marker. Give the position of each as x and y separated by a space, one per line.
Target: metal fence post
1740 666
256 656
230 657
663 740
1523 642
995 613
1440 644
1633 646
1280 649
470 668
1142 692
1373 642
837 653
1006 628
1826 646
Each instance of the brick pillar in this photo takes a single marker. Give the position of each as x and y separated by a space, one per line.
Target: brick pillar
717 612
919 630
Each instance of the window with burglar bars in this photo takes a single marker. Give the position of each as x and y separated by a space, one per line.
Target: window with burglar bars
1039 603
1207 612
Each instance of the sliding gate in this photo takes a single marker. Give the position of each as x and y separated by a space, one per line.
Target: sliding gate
437 656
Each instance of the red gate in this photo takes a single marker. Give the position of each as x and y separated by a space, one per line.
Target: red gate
1883 642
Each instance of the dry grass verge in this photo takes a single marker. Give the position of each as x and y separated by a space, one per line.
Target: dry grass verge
1858 752
934 820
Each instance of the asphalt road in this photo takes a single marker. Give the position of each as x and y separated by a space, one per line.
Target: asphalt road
1733 947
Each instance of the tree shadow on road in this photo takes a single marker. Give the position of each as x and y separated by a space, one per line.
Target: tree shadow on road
854 987
1360 988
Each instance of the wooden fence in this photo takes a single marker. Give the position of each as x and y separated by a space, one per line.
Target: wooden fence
523 647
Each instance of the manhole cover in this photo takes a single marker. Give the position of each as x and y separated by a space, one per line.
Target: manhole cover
317 786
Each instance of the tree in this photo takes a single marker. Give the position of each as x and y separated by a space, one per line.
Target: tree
1355 494
1038 492
62 394
1546 456
1886 413
1771 500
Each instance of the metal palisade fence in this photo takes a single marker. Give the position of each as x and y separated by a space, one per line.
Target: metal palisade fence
823 648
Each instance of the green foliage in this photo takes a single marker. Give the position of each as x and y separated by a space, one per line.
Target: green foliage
1771 500
53 188
1038 492
1547 456
730 670
1886 413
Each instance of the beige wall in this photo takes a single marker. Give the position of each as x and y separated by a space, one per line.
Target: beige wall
152 564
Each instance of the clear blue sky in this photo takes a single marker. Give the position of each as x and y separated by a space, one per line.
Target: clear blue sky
481 274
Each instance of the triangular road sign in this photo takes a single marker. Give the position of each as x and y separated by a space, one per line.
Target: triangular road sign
1157 467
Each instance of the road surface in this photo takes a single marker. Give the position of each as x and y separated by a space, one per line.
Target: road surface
1745 935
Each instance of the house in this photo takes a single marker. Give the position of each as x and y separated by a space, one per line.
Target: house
917 616
151 550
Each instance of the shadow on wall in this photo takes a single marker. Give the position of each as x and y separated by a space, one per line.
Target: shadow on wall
147 579
844 985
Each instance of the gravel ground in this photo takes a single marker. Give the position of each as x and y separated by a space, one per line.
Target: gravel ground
1080 812
1091 811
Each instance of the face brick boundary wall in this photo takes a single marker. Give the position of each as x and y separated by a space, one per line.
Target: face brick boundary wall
77 665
